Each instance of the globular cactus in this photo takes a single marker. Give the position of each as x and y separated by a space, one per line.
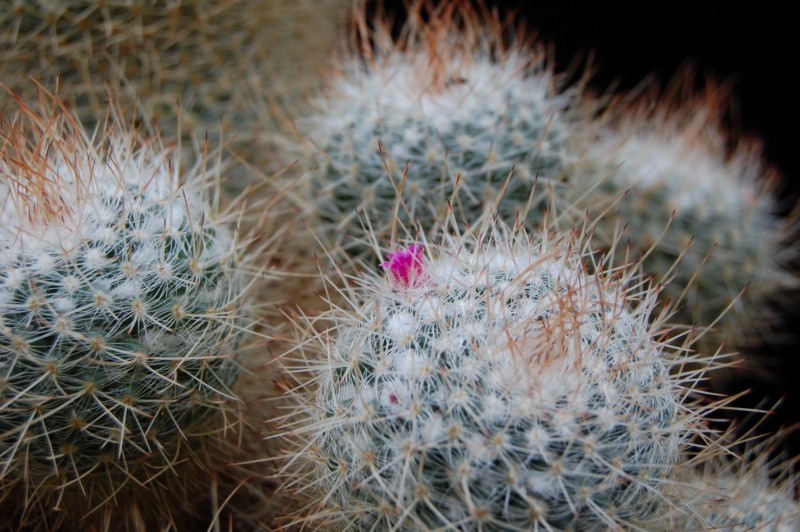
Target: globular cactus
701 215
121 307
488 383
453 114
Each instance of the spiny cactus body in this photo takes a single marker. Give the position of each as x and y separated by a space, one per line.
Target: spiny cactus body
702 218
447 116
488 384
121 304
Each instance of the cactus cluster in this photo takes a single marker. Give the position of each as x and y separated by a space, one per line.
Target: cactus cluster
533 352
488 383
444 119
121 304
492 384
455 115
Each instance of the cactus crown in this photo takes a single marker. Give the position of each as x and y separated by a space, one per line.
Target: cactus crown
495 384
120 305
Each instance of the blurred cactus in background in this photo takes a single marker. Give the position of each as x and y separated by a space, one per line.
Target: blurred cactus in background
186 62
754 491
700 211
492 383
458 111
122 304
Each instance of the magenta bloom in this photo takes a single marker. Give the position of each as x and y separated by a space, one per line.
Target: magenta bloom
406 266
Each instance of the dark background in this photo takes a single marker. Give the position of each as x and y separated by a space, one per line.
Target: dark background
752 47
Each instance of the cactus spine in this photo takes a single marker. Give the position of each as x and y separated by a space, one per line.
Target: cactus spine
754 491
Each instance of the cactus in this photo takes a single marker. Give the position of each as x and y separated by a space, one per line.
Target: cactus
121 306
702 215
487 383
743 502
755 491
187 63
453 113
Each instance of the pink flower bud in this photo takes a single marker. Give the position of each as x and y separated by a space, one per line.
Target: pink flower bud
406 266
